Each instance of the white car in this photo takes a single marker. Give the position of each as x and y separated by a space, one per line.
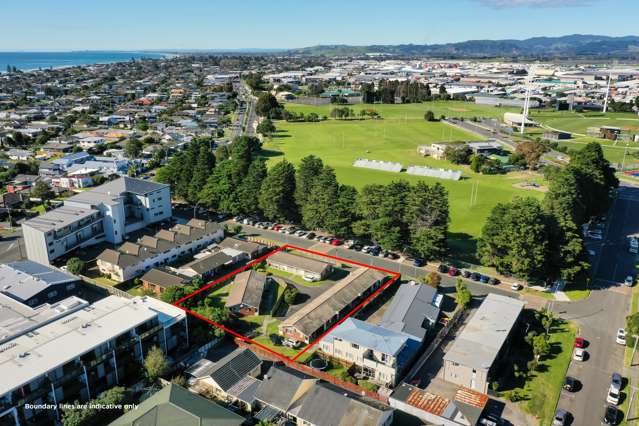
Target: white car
613 396
629 281
516 287
579 355
621 336
309 278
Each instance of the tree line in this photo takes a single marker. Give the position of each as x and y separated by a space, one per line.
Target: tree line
543 240
387 91
398 216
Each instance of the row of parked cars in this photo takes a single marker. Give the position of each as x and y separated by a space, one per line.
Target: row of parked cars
475 276
613 397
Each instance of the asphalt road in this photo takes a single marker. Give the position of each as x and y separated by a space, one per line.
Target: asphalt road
600 315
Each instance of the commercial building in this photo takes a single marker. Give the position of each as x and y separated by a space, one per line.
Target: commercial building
34 284
165 246
322 312
470 359
300 265
382 355
84 353
105 213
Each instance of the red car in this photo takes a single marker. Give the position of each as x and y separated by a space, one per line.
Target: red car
337 242
453 271
580 342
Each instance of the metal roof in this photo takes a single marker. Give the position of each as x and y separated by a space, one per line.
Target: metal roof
25 279
370 336
412 305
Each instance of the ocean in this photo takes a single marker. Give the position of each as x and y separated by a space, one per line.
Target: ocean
35 60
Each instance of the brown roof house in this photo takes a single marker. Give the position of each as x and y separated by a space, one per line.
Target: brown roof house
246 293
159 279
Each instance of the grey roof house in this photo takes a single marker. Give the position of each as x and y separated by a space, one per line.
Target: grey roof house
34 284
246 292
413 310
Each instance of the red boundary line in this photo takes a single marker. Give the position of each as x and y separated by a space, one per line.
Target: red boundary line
395 276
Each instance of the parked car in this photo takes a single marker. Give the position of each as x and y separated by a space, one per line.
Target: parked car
466 273
616 381
613 396
375 251
418 262
611 415
392 255
516 286
580 342
561 417
629 281
579 354
570 384
309 236
310 278
442 268
452 271
621 336
475 276
337 242
494 281
349 243
357 247
291 343
484 279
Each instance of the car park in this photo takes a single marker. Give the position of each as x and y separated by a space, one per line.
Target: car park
621 336
560 418
611 415
571 384
579 354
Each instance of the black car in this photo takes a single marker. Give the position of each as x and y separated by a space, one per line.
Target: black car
418 262
611 416
392 255
571 384
494 281
466 274
475 276
484 279
442 268
356 247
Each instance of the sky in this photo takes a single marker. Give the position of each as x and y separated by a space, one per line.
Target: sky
50 25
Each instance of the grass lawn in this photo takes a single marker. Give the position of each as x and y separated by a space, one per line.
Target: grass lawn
541 391
38 209
105 281
339 143
413 111
578 123
295 278
634 304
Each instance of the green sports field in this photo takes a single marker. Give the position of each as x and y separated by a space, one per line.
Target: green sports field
413 111
578 123
339 143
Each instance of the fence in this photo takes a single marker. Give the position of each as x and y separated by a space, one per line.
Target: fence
110 289
351 387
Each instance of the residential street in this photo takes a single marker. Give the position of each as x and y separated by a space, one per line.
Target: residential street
600 315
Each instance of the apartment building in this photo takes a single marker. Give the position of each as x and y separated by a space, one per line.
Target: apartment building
34 284
83 353
166 246
482 342
381 354
106 213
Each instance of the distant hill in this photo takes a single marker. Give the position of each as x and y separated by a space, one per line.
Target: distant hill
565 47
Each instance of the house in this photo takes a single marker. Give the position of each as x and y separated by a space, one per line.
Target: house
482 342
232 379
34 284
319 314
555 135
300 265
413 310
158 280
246 293
486 148
20 154
252 250
166 246
22 183
174 405
382 355
285 393
67 161
465 409
436 150
79 355
91 142
207 266
105 213
49 170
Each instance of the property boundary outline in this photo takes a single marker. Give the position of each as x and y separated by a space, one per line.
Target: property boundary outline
368 299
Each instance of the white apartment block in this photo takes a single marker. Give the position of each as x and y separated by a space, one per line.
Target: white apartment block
83 353
105 213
